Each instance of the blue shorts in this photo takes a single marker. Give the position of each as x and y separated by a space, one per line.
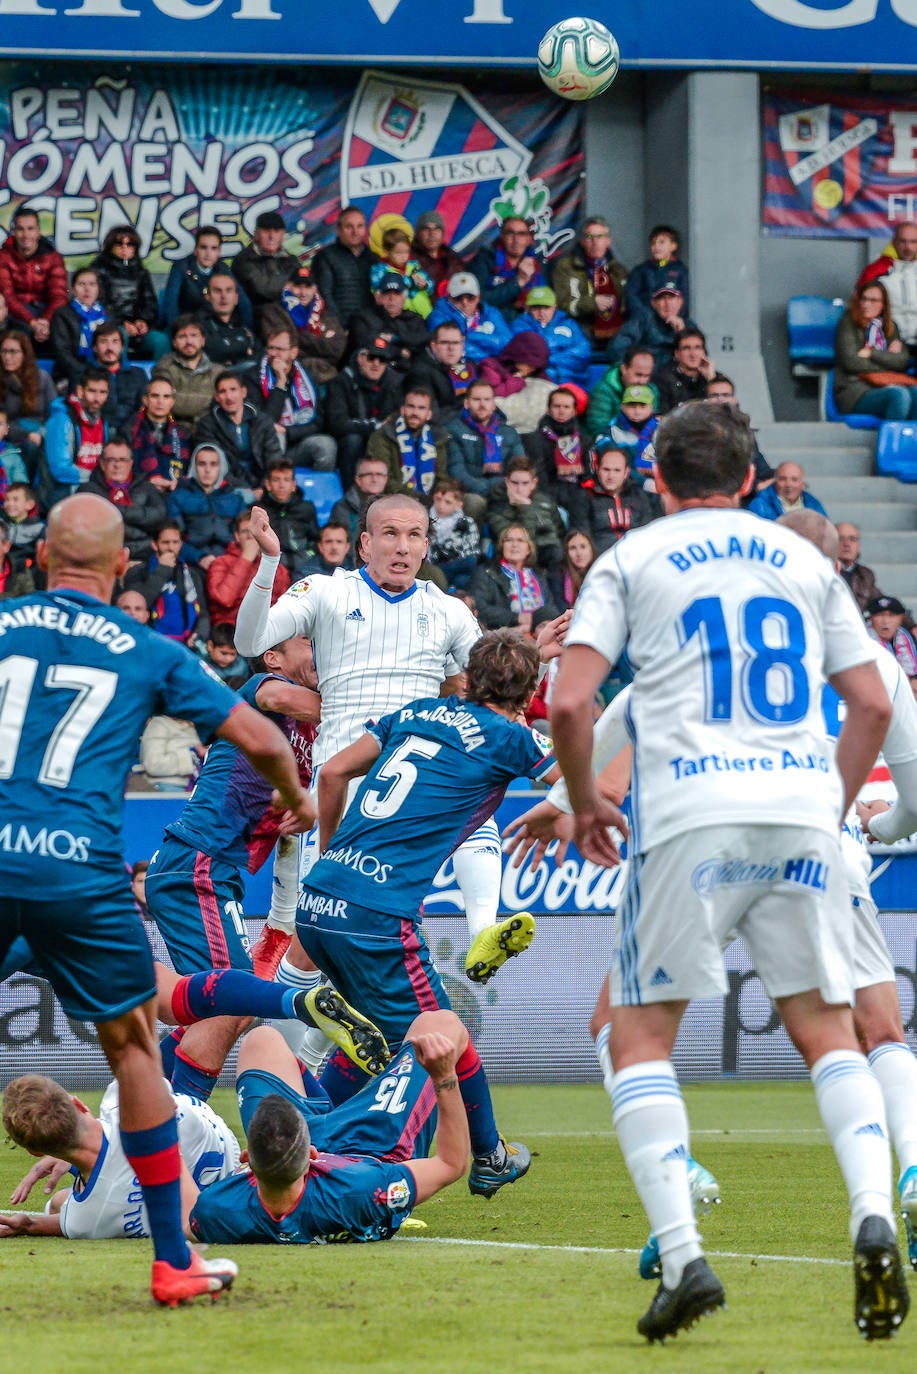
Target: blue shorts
196 902
93 950
389 977
392 1118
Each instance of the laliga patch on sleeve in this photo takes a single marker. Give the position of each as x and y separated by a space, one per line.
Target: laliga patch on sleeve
398 1196
299 588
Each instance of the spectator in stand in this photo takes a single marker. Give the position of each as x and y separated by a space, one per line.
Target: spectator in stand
222 657
358 401
519 502
33 279
172 588
228 341
190 371
186 288
24 525
886 625
161 446
634 369
617 500
133 604
142 507
589 283
455 542
73 325
787 493
663 265
228 576
396 258
443 370
12 464
342 269
413 451
292 517
519 379
870 361
559 450
509 267
322 337
721 388
480 445
860 579
246 435
897 271
126 383
76 432
687 376
127 292
205 506
655 329
331 552
568 347
370 480
13 582
579 554
485 330
509 589
437 260
263 268
633 429
388 318
26 390
282 389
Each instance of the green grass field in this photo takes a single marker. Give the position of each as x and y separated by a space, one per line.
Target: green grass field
543 1278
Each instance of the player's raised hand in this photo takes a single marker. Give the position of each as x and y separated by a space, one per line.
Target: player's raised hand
436 1053
550 636
592 833
865 813
529 835
262 533
47 1167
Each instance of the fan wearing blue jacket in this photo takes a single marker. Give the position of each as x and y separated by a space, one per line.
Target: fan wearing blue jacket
485 330
568 348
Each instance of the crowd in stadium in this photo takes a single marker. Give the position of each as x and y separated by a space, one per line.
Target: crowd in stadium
517 397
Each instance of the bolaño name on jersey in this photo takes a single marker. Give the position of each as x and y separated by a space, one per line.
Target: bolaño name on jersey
755 549
84 623
464 723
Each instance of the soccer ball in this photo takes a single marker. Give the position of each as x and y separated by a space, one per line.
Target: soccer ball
578 58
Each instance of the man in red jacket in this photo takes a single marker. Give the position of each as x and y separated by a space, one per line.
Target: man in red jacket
33 278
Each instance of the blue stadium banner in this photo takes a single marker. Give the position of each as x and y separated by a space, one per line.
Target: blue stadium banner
170 148
838 165
805 34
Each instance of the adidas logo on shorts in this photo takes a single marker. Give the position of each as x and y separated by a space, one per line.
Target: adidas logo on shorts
659 978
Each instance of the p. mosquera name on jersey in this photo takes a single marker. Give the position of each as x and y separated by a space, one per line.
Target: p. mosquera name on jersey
731 624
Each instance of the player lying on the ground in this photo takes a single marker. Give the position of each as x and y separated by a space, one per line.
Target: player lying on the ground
433 770
105 1201
352 1172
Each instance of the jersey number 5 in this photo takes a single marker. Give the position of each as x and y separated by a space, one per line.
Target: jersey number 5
381 802
763 665
93 688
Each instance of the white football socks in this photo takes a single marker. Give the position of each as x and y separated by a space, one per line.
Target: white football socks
478 868
285 884
896 1069
850 1102
603 1054
293 1031
652 1126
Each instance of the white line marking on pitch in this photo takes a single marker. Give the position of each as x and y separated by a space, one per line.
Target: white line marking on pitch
741 1134
603 1250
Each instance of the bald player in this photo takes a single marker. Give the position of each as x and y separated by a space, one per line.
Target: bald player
78 681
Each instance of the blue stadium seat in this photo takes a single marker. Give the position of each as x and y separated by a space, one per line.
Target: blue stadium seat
595 374
852 420
896 450
322 489
46 364
811 323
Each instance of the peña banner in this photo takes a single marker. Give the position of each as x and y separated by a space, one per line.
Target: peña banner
838 165
168 149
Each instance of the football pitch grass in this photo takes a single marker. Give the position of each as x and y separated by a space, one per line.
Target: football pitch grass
541 1278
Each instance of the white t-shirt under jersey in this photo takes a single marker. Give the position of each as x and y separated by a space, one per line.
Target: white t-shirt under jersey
374 652
731 624
110 1204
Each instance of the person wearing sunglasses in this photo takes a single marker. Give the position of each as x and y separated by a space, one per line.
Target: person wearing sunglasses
128 294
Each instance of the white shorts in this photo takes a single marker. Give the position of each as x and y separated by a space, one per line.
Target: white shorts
872 962
782 888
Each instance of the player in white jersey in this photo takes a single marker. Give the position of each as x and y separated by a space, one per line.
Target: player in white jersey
381 639
105 1202
732 626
